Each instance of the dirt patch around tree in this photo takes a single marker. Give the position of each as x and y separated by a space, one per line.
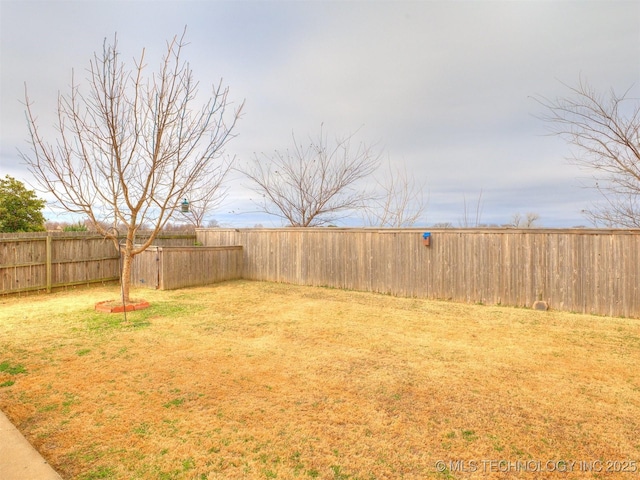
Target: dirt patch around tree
117 306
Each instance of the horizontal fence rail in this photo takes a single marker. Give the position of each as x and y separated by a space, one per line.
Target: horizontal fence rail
50 260
589 271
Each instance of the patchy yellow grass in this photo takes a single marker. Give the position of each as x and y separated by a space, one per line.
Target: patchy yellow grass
260 380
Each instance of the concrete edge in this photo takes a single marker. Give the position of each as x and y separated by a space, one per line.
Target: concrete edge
19 460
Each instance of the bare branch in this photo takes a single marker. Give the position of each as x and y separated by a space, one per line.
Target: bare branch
207 194
466 221
400 201
605 129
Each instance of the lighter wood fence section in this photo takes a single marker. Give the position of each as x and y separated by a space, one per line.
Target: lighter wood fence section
589 271
168 268
45 261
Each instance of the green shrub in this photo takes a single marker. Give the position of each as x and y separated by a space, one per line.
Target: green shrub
75 227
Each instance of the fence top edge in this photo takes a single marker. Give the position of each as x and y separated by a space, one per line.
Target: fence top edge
193 248
495 230
27 236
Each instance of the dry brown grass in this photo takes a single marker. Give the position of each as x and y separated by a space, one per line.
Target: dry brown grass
260 380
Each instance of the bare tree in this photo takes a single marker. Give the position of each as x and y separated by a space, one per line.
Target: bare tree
131 147
313 184
443 225
531 219
528 222
605 129
467 220
400 202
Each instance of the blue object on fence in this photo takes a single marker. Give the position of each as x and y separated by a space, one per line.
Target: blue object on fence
426 239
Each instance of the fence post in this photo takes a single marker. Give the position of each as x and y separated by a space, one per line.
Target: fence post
48 263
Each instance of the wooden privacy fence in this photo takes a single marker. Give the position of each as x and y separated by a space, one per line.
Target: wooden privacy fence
45 261
589 271
169 268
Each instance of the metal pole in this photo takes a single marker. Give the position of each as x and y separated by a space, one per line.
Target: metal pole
124 306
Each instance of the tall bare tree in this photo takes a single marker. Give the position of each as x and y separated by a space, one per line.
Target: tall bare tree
313 184
605 129
130 146
400 201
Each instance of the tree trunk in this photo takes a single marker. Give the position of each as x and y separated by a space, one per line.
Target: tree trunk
126 274
127 259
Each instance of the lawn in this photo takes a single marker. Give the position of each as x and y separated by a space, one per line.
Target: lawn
261 380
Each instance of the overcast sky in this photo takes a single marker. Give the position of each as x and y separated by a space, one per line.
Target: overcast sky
443 87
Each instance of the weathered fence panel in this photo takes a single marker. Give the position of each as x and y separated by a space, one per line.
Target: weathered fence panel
44 261
48 260
168 268
22 264
591 271
82 260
